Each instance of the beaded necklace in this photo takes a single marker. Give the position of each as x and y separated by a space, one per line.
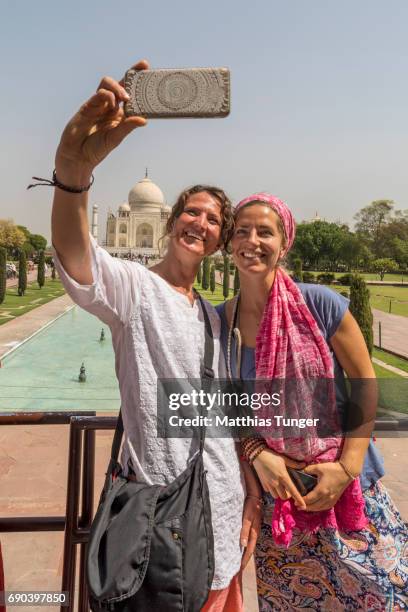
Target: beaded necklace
234 330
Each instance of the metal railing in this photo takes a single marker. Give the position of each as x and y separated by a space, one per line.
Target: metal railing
78 523
61 523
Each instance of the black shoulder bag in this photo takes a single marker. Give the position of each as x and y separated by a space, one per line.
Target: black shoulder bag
151 547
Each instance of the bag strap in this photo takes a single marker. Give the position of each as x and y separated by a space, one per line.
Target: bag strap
206 374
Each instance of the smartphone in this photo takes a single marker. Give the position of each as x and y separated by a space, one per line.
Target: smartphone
178 93
302 481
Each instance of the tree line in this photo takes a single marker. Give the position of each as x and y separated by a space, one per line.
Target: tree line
15 238
17 243
378 244
206 274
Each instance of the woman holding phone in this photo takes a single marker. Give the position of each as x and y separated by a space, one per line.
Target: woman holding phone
157 325
342 546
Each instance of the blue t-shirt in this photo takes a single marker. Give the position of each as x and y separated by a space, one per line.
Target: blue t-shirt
328 308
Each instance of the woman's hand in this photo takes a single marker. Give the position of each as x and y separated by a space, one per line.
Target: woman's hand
251 527
274 477
332 480
96 129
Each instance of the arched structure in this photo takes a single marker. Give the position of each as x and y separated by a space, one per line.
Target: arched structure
139 223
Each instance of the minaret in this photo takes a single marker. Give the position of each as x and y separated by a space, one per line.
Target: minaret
94 230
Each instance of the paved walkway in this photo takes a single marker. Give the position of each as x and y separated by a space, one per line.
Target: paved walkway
16 331
403 283
31 277
394 332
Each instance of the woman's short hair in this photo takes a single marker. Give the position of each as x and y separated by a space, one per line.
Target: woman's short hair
227 219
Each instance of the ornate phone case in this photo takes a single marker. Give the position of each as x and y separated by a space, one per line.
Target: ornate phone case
179 93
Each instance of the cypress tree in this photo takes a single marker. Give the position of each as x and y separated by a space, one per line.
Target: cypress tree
226 279
236 281
297 270
3 274
53 272
212 279
41 269
205 283
199 275
361 310
22 273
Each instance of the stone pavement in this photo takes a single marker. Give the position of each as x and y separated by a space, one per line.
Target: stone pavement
19 329
394 332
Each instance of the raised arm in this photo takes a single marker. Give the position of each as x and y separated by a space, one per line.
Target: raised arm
93 132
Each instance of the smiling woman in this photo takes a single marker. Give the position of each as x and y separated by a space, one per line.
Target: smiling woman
278 330
197 224
258 238
218 197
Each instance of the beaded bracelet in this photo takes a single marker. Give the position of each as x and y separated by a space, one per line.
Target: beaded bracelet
257 452
250 440
252 447
248 450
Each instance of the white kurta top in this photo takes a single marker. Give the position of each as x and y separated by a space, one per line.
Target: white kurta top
156 333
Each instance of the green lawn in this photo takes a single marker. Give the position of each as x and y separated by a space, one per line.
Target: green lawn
216 297
391 278
380 298
14 305
392 390
383 373
397 362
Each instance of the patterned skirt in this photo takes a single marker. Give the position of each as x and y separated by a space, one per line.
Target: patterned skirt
337 572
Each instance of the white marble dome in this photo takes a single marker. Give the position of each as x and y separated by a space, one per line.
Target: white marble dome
124 207
145 195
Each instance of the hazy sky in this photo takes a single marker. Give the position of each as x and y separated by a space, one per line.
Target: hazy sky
319 99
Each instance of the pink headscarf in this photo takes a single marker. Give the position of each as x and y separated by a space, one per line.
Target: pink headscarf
290 347
281 210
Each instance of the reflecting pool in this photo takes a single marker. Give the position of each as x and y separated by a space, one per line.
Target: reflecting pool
42 374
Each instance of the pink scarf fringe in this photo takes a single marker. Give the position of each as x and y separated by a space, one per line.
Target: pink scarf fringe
290 346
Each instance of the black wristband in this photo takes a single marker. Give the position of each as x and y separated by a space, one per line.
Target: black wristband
56 183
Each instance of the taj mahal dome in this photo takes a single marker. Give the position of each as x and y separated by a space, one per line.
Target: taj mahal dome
139 222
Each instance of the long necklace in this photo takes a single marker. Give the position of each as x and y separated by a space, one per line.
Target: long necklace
233 329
